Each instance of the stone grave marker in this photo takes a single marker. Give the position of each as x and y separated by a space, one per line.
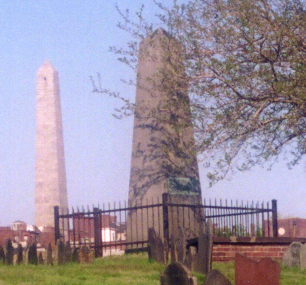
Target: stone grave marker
177 273
25 255
91 256
49 259
173 252
215 277
156 246
85 254
40 258
19 254
263 272
9 252
75 255
303 257
292 255
60 252
67 252
205 243
181 245
32 254
191 258
2 254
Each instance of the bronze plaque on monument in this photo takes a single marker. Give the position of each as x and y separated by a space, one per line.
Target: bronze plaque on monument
183 185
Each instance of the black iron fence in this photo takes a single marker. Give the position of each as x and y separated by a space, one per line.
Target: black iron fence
249 219
120 227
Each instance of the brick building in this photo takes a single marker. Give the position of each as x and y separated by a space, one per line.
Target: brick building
292 227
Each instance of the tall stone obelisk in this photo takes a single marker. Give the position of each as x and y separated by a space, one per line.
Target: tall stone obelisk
164 158
50 173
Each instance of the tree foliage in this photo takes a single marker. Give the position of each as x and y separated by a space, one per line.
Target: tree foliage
245 62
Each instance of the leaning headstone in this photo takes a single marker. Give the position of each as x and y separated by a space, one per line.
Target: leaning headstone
292 255
9 252
32 254
60 252
2 254
177 273
19 254
264 272
49 259
156 246
215 277
67 252
204 256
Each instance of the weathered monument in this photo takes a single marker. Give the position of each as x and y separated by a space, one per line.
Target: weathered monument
50 174
164 158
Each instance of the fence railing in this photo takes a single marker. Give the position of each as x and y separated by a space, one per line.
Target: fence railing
250 219
112 229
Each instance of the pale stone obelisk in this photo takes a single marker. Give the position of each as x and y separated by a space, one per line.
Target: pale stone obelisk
164 158
50 174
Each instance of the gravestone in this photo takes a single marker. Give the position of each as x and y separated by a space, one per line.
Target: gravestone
32 254
178 274
303 257
264 272
60 252
85 254
181 245
40 258
9 252
67 252
49 259
19 254
91 256
215 277
173 251
205 243
25 255
156 247
292 255
2 254
178 246
191 258
75 255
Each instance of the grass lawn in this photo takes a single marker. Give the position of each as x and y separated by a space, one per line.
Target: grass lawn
127 269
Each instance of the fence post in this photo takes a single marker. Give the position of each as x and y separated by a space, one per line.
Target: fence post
274 218
165 198
97 233
57 234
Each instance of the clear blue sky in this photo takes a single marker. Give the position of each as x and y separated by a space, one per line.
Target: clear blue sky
75 36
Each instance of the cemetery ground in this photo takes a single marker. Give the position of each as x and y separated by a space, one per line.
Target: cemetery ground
117 270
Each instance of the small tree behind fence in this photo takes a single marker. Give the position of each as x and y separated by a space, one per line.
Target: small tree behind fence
104 228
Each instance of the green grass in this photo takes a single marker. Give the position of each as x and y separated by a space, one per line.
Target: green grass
127 269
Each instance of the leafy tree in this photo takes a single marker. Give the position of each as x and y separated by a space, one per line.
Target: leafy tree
245 63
